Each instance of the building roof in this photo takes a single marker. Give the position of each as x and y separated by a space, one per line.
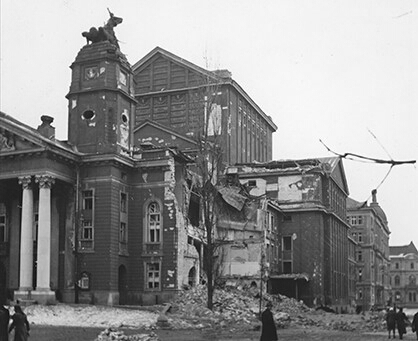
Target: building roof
354 204
222 76
402 250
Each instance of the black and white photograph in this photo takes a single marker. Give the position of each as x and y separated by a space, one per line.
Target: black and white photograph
208 170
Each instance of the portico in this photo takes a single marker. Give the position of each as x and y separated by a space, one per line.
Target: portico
42 293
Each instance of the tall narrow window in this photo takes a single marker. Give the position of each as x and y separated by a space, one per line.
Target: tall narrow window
3 231
87 235
88 200
123 235
287 254
154 223
87 227
123 202
153 276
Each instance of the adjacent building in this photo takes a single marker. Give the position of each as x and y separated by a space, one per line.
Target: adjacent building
370 231
403 275
174 93
313 244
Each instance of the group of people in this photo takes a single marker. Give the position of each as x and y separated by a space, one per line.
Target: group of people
398 320
19 324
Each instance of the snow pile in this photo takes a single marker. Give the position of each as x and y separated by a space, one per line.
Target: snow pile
89 316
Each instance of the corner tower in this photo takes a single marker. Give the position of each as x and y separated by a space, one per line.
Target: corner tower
100 100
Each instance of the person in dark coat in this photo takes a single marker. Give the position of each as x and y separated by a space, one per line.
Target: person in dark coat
401 321
391 321
414 324
4 323
268 329
20 324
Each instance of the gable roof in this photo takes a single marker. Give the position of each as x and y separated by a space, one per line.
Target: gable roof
402 250
165 129
214 75
32 136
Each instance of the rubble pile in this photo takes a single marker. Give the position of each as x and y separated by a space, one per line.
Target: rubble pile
239 308
232 306
111 334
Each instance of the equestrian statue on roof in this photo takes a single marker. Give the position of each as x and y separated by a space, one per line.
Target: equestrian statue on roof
104 33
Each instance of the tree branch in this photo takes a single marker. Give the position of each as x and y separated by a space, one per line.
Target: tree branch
361 157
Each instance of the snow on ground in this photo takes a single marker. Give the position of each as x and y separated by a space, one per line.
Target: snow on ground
89 316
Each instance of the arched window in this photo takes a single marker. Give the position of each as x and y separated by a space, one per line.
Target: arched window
412 280
397 280
154 223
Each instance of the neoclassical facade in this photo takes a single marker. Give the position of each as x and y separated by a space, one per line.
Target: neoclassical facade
404 275
109 216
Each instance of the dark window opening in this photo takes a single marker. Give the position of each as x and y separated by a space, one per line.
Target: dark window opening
88 115
287 243
287 267
194 211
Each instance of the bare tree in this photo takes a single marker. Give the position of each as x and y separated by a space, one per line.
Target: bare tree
208 166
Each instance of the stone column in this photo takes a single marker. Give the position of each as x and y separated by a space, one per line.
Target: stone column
26 239
43 293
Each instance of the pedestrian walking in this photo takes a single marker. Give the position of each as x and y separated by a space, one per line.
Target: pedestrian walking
20 324
414 324
401 321
391 321
4 323
268 329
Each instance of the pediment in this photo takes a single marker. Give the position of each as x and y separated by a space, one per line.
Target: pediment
153 134
10 142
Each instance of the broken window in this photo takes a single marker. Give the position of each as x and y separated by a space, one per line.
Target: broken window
194 209
154 223
153 276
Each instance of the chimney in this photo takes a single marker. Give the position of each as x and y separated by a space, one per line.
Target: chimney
374 196
45 129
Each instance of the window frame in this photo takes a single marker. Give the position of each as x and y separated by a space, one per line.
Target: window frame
86 231
156 237
148 277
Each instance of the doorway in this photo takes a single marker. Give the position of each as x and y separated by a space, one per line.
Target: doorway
123 286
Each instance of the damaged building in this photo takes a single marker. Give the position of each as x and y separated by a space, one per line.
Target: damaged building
109 216
312 231
248 237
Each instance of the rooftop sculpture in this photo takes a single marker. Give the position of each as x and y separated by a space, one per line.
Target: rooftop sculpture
104 33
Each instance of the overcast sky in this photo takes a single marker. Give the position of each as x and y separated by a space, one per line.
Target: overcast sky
339 71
